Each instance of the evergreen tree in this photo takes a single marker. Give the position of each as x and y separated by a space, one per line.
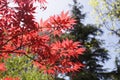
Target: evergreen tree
116 73
94 54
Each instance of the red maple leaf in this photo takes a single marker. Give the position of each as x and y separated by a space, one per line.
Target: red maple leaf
2 67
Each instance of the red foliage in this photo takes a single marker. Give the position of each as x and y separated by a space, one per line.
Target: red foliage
2 67
57 23
21 34
10 78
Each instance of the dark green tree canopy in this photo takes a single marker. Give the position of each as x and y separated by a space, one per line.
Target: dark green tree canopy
94 54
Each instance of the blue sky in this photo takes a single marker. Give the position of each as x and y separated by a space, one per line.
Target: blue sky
53 7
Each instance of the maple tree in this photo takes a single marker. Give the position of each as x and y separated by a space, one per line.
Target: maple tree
21 35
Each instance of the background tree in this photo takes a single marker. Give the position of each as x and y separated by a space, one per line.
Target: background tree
116 73
95 54
22 67
109 17
107 12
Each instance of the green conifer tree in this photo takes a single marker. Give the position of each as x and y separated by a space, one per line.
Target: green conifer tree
94 54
